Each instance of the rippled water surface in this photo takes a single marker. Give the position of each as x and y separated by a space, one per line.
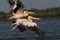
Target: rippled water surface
51 27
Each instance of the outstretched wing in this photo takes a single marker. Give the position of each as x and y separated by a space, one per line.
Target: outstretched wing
20 7
12 5
20 4
36 30
11 2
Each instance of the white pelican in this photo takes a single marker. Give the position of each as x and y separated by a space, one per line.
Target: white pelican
23 24
18 10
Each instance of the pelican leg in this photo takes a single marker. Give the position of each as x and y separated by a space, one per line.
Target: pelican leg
13 26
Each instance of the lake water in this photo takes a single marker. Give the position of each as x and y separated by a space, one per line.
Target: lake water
51 27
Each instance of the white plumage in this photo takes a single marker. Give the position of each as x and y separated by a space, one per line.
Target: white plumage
29 24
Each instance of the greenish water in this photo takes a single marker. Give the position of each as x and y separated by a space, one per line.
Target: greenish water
51 27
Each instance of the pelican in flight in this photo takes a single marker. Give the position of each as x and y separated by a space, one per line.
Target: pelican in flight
23 24
18 10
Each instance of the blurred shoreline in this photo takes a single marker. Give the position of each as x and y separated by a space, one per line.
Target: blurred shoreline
44 13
